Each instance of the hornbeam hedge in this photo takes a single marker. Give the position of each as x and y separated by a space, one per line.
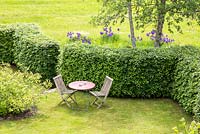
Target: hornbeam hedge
25 46
143 73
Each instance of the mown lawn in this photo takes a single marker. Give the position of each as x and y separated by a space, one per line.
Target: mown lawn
57 17
118 116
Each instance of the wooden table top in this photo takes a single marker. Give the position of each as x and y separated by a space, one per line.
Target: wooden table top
81 85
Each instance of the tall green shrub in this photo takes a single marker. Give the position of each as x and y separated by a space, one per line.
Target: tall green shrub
6 44
24 45
186 79
8 34
38 54
149 73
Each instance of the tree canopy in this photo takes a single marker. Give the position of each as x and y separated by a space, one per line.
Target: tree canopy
150 12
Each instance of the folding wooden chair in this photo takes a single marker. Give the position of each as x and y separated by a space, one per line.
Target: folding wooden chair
64 92
99 101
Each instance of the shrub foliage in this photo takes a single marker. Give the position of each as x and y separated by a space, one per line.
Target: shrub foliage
186 82
37 54
136 73
24 45
8 34
18 91
6 44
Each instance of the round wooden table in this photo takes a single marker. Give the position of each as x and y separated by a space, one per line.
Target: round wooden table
81 85
85 86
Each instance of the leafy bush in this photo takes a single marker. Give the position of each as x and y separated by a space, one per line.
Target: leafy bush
194 128
18 91
196 109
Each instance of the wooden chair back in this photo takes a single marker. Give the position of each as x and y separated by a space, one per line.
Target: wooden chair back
106 86
60 85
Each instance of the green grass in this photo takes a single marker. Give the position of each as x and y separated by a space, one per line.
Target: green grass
118 116
57 17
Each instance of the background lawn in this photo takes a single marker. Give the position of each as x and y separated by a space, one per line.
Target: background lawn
56 18
118 116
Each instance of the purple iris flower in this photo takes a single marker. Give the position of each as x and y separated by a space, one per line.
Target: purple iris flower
110 34
101 33
83 40
105 29
78 35
89 42
70 34
153 31
165 40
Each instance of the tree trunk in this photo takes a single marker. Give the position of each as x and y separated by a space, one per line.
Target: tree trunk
132 36
160 23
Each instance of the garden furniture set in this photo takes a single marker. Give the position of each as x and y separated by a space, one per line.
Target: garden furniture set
67 92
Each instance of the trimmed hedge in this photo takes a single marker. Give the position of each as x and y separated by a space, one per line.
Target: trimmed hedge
149 73
6 44
25 46
38 54
136 73
8 35
186 85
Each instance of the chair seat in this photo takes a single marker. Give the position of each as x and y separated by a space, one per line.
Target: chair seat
68 91
97 93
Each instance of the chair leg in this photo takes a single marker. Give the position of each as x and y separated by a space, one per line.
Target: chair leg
65 100
72 99
60 102
94 101
100 105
